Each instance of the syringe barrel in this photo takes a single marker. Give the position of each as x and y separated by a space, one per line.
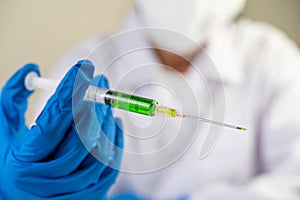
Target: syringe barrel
122 101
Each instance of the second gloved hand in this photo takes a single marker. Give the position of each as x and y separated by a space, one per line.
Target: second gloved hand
49 159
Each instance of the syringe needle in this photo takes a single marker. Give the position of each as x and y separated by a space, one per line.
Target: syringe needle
213 122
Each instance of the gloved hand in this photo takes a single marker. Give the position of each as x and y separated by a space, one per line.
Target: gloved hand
49 159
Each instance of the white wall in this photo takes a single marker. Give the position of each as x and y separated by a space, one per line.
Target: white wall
284 14
43 31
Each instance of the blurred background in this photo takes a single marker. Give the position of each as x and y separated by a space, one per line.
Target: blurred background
44 31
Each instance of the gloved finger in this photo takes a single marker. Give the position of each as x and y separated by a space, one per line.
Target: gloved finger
80 180
14 97
66 160
106 164
52 124
113 169
108 172
90 116
104 144
100 81
119 141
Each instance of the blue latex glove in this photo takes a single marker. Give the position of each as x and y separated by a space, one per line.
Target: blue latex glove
127 197
135 197
49 160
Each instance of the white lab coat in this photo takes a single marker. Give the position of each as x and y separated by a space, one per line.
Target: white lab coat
259 67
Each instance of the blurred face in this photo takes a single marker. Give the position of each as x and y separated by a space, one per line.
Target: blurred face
195 19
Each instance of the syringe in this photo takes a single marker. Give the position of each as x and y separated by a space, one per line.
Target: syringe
120 100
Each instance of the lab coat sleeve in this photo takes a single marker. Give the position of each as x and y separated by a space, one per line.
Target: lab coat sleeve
279 132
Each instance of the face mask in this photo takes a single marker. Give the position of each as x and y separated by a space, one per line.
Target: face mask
191 21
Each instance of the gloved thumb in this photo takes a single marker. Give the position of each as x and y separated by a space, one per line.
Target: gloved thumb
56 118
14 97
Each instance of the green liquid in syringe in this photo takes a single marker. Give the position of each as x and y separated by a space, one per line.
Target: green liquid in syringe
131 103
